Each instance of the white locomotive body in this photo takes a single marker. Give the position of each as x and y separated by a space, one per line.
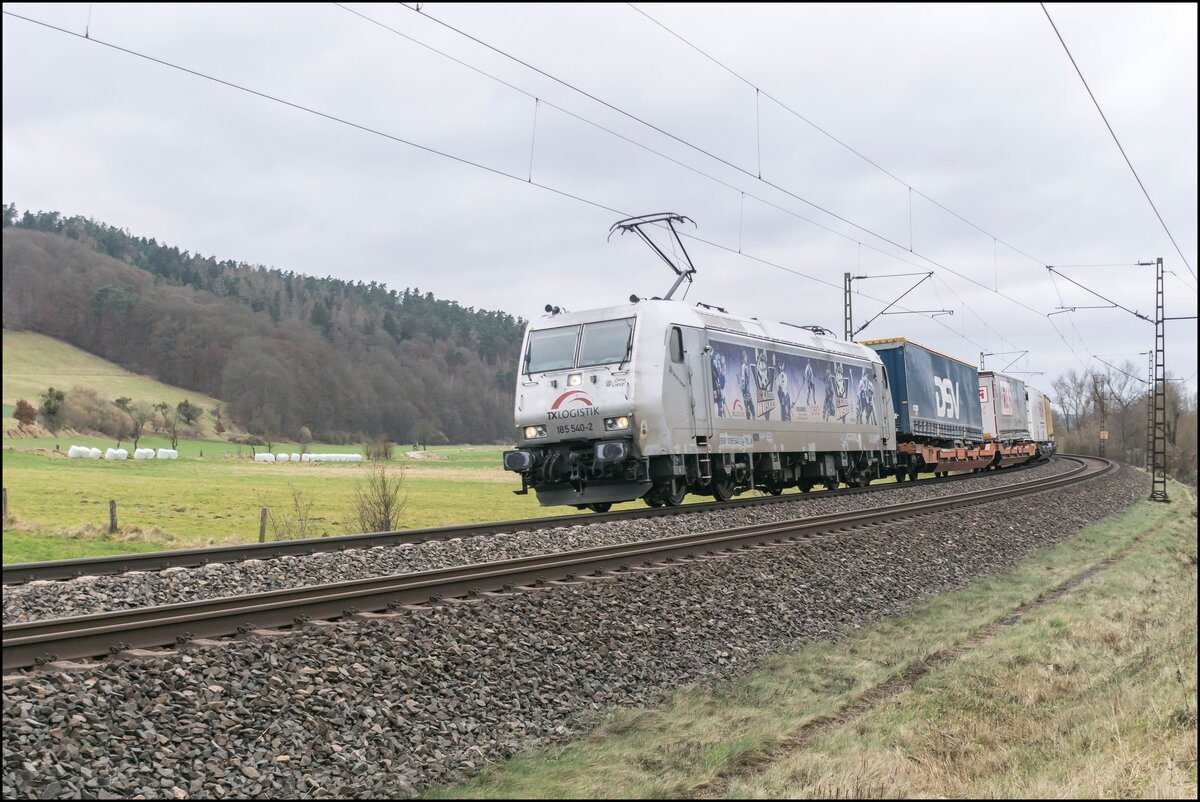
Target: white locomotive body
656 399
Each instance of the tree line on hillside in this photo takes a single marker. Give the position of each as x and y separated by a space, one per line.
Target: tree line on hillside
1118 401
343 360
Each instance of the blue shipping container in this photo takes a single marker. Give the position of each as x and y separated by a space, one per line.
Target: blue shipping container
936 397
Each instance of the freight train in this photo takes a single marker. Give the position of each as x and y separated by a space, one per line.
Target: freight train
657 399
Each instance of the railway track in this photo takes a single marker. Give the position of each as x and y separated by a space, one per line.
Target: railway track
28 644
20 573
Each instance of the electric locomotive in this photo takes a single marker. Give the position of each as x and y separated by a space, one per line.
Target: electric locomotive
656 399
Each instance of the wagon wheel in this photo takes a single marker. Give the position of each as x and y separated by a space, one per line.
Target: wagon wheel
674 499
722 488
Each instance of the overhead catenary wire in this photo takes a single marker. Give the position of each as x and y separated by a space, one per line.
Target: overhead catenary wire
647 148
842 143
561 192
1118 141
368 129
732 165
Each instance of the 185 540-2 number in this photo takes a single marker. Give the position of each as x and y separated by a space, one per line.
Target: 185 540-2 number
573 428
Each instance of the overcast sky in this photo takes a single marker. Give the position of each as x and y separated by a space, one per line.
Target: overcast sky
975 106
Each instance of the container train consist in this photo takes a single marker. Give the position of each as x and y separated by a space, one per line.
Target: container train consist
657 399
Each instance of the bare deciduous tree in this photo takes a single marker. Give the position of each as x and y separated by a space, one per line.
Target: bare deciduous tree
378 502
291 522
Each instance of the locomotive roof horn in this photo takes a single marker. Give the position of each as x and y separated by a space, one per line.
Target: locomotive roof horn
682 266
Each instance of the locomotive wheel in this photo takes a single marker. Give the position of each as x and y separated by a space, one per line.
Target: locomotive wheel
722 489
806 487
653 500
831 484
900 475
775 490
603 506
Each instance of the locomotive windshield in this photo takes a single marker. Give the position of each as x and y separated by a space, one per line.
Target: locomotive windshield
551 349
606 342
600 344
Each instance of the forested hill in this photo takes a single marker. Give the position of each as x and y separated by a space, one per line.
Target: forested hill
284 351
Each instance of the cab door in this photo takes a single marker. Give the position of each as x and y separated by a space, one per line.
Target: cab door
695 356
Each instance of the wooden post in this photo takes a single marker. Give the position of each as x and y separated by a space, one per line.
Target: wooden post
112 516
262 526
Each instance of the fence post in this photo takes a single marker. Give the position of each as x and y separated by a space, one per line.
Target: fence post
4 521
262 526
112 516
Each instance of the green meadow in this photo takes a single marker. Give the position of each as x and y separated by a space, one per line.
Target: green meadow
58 507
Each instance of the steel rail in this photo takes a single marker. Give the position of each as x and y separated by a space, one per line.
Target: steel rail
20 573
27 644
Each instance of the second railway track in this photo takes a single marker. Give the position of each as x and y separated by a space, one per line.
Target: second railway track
27 644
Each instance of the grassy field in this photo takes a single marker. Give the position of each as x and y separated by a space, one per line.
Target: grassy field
1089 694
61 505
33 362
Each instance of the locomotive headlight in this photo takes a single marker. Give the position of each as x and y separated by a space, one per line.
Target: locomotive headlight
534 432
575 379
616 424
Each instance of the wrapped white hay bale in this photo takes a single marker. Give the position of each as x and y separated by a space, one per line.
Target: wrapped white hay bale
294 457
122 454
281 458
163 453
75 452
111 454
306 457
264 457
356 458
140 453
94 454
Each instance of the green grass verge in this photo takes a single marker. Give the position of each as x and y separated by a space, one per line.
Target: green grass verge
1093 694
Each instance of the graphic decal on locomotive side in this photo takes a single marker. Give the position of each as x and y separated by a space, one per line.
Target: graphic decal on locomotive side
763 384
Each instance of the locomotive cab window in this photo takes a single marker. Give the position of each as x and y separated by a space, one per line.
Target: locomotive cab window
606 342
551 349
676 344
